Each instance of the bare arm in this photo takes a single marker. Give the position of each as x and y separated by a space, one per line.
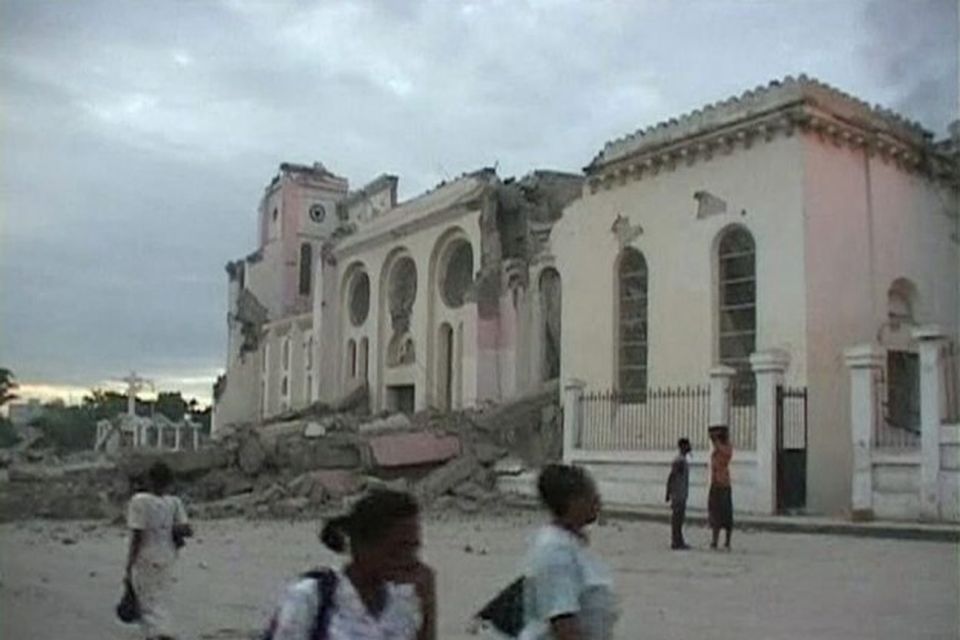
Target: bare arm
565 628
133 551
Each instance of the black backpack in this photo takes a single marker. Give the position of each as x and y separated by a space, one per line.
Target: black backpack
505 612
326 580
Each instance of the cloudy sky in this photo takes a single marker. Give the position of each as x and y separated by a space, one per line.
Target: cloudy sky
137 136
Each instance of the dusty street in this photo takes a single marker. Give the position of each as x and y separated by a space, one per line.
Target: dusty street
61 580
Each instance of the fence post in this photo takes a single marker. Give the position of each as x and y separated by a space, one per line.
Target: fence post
572 416
720 395
768 368
929 339
864 362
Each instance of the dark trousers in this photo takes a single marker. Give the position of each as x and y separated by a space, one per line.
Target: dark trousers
676 523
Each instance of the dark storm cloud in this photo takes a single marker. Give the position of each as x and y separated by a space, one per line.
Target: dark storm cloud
137 136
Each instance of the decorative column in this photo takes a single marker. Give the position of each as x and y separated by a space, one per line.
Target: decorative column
768 368
572 416
865 363
720 377
159 441
929 340
177 430
196 438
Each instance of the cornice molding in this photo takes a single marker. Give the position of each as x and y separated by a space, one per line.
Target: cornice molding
779 110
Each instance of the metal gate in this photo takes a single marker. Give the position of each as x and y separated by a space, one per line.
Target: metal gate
791 449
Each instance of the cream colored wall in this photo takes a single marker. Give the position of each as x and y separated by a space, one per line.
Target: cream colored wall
765 181
420 245
296 330
867 223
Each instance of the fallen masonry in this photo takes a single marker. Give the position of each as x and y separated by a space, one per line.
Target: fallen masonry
304 465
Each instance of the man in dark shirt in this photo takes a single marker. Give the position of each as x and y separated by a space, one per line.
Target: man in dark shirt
678 485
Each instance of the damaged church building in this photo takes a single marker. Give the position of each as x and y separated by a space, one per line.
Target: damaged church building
785 262
444 301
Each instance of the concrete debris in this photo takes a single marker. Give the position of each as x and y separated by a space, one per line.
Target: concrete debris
314 430
395 422
305 467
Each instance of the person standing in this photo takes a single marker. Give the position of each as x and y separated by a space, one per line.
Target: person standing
383 593
567 589
678 486
157 521
720 500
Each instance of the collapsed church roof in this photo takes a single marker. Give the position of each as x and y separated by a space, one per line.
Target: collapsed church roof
764 112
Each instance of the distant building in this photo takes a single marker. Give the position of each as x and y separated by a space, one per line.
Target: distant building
442 301
23 413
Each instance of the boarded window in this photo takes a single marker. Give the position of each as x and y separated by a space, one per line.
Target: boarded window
632 339
737 330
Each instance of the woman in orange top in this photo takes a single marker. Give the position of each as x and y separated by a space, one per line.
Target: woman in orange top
720 501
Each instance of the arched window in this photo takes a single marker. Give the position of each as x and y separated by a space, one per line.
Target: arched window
286 354
737 312
306 268
632 340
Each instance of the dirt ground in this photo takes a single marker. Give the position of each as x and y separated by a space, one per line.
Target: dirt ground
61 580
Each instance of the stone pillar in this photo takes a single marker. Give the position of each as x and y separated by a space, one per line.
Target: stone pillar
572 416
865 362
177 431
929 342
196 438
159 441
720 377
768 368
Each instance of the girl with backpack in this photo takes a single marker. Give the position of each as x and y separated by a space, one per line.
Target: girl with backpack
384 592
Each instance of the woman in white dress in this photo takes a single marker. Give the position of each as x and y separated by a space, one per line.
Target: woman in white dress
568 590
383 593
155 519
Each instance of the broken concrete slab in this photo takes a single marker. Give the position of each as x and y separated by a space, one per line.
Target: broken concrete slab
510 466
184 464
394 422
251 455
314 430
413 449
356 399
444 479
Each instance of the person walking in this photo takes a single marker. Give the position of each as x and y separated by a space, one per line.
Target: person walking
678 485
158 524
384 593
567 589
720 500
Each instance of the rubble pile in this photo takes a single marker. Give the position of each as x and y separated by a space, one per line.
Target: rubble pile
305 465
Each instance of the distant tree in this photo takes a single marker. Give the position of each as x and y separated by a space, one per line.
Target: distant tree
104 405
8 434
171 404
7 385
68 428
202 417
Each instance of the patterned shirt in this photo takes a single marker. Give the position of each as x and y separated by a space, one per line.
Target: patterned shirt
349 620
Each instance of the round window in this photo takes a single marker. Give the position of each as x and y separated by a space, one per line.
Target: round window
458 275
359 299
318 213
